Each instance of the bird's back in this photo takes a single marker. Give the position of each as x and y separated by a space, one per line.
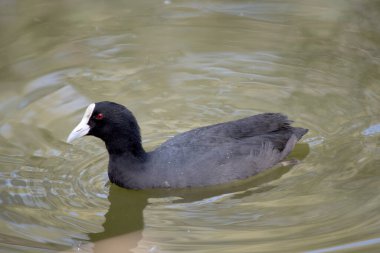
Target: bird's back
223 152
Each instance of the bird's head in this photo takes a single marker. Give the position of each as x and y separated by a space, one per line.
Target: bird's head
108 121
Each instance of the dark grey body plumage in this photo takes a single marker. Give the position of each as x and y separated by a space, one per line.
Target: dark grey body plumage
204 156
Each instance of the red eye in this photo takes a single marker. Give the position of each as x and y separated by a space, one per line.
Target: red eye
99 116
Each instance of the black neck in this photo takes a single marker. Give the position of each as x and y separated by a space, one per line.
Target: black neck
126 146
126 157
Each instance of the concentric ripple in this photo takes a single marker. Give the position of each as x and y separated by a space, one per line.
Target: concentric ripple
41 193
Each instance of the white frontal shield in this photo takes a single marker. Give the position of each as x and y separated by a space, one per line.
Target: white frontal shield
82 128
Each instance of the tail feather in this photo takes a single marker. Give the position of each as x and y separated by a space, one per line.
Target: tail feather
299 132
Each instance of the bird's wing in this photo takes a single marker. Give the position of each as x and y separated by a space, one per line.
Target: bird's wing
243 128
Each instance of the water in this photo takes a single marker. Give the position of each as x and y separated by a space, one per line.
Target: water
179 65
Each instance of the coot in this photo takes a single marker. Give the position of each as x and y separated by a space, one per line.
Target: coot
204 156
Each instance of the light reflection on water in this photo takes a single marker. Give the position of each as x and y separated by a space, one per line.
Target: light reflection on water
179 65
354 245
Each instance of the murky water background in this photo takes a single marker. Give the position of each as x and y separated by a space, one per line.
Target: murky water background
179 65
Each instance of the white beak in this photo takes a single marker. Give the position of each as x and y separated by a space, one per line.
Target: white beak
82 128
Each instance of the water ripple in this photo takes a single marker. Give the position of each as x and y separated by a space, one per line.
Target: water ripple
41 193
